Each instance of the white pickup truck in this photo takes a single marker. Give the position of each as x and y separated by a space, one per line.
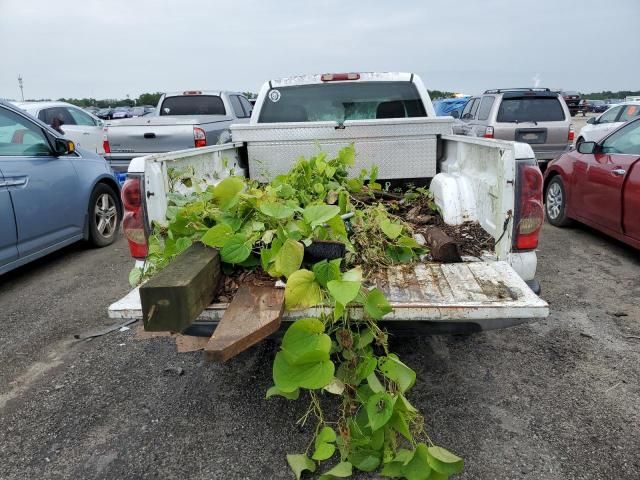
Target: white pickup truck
390 119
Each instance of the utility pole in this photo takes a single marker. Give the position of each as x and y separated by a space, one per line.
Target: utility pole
20 85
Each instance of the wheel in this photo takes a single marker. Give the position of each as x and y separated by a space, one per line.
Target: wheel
104 216
556 203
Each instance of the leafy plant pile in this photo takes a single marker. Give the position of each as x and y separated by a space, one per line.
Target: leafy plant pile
267 227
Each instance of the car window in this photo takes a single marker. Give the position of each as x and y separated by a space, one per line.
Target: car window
466 112
485 107
624 141
20 137
193 105
610 115
342 101
80 117
237 106
530 109
248 108
48 115
629 112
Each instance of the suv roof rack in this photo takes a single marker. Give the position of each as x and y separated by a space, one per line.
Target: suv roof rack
501 90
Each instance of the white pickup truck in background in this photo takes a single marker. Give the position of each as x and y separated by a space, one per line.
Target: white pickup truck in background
181 120
390 119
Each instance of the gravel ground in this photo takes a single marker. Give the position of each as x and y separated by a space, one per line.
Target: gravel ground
557 399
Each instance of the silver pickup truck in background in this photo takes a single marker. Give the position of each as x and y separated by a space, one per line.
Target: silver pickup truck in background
181 120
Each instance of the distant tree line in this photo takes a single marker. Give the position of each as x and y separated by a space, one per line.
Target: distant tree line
144 99
604 95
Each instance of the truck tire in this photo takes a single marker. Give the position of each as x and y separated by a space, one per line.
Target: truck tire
104 216
556 203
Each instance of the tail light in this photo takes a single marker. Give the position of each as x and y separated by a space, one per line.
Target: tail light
572 133
105 142
199 137
133 223
529 212
488 132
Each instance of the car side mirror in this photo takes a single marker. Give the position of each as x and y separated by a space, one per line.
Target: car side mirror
592 121
587 147
455 114
62 146
466 116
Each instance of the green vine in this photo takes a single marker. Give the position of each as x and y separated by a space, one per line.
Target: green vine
342 351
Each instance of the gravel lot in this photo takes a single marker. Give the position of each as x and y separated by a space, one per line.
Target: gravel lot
556 399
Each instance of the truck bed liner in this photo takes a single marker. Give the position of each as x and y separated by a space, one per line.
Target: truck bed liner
482 292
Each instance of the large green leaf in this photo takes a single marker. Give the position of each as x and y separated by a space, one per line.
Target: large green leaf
379 410
366 460
400 425
226 192
341 470
343 292
312 375
418 467
276 210
324 444
443 461
236 250
353 275
134 276
217 236
318 214
392 368
390 229
289 257
376 304
299 463
305 341
302 290
326 271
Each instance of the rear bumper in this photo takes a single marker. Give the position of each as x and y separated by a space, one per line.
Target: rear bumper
549 154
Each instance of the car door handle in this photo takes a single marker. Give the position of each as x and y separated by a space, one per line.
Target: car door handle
618 171
86 133
13 182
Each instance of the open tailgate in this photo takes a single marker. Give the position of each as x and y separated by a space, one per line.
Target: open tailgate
487 293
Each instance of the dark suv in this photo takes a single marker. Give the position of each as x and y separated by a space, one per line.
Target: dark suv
536 116
572 99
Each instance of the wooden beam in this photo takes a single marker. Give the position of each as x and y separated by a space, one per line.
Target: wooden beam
254 314
174 297
442 247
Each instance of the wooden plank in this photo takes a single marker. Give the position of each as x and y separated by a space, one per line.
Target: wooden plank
253 314
173 298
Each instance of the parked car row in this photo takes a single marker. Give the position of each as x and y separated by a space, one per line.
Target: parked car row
124 112
52 194
598 127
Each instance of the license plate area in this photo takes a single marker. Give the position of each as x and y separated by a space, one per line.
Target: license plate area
532 136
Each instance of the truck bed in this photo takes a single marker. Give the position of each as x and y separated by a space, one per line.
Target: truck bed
486 293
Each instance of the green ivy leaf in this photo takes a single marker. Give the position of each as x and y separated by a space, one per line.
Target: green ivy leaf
409 242
326 271
217 236
353 275
182 244
443 461
312 375
236 250
343 292
226 192
379 410
392 470
365 368
134 276
299 463
365 460
374 383
324 444
376 304
418 467
390 229
302 290
289 257
341 470
305 341
392 368
318 214
276 210
399 424
288 395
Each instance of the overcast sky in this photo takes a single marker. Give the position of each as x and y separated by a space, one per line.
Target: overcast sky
103 49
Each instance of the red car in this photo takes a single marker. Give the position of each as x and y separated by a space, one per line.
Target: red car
599 185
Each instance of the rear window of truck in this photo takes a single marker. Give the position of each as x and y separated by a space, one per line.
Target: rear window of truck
342 101
193 105
530 109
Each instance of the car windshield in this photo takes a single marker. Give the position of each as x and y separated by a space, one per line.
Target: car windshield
193 105
342 101
530 109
